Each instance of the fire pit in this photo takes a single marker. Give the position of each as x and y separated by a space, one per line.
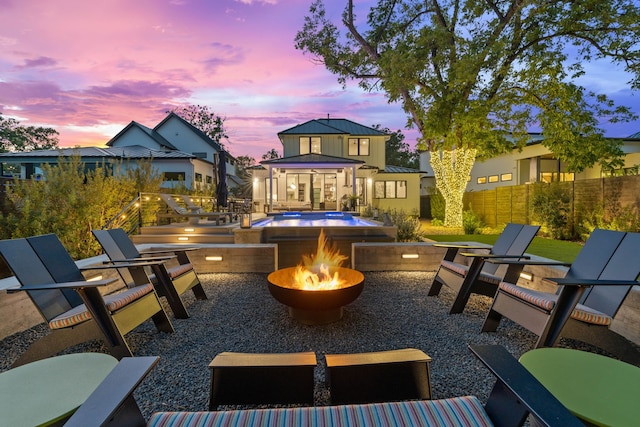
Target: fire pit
317 290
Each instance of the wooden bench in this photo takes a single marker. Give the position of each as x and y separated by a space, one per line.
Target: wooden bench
255 378
379 376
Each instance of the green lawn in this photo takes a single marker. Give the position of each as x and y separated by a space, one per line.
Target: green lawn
559 250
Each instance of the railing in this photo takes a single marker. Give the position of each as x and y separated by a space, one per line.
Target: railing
148 208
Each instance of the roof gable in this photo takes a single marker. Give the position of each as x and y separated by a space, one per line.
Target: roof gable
155 136
192 128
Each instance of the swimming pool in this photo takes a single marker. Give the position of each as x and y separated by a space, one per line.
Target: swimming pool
296 233
313 219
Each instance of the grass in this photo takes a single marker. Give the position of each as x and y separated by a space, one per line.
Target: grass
559 250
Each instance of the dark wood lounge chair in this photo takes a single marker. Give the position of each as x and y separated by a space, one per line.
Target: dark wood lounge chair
515 396
480 277
74 308
588 297
170 282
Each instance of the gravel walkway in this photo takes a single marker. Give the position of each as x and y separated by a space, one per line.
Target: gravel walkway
392 312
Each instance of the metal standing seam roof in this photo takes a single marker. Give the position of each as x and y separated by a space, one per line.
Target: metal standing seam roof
331 126
400 169
311 158
131 151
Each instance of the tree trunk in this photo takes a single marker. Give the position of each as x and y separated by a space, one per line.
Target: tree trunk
452 169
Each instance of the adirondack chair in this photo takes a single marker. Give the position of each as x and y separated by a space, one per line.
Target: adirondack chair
480 277
516 395
588 298
74 308
170 282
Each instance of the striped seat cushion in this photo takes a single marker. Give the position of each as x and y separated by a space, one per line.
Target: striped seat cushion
113 302
459 411
462 270
547 301
175 271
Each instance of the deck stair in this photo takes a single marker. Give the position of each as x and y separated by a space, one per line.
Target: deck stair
177 233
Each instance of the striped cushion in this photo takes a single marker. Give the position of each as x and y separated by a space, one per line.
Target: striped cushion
113 302
462 270
547 301
455 267
459 411
174 272
180 270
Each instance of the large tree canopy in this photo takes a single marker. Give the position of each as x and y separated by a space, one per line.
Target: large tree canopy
475 75
17 137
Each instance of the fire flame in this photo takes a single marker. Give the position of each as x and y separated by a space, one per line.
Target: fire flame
314 273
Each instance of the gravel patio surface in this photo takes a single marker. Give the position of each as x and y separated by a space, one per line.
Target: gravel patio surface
392 312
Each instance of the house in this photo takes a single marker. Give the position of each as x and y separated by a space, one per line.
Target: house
534 163
334 164
180 151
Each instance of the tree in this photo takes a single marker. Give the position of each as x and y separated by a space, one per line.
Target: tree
474 75
16 137
271 154
397 152
207 121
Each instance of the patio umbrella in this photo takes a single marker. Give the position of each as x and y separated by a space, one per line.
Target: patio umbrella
221 191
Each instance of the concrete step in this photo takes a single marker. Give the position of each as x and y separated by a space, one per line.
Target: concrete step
187 229
182 238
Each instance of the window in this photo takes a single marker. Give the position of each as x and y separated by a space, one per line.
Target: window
198 177
493 178
209 179
173 176
359 146
506 177
310 144
390 190
482 180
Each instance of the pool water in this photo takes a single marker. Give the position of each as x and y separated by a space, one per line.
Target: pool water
322 219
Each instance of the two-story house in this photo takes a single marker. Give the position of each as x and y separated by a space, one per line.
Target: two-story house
333 164
533 163
178 150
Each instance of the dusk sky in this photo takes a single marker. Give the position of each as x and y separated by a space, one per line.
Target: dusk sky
88 68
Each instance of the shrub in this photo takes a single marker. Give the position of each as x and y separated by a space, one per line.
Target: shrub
409 227
71 201
471 222
437 204
551 206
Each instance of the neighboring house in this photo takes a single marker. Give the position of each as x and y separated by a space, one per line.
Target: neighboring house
328 161
178 150
534 163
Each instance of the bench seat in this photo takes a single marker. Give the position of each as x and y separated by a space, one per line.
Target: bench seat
458 411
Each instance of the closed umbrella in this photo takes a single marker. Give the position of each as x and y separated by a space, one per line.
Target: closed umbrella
221 192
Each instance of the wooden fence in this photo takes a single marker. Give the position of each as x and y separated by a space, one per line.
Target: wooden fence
513 203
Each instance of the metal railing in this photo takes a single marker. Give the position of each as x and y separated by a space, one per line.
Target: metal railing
148 209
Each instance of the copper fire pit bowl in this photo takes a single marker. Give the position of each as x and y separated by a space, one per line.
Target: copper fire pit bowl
315 307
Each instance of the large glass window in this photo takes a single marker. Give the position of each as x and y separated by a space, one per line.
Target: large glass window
310 144
390 190
359 146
